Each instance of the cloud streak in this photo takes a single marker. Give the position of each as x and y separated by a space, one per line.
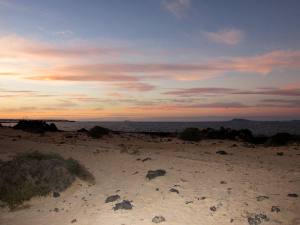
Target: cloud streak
178 8
227 36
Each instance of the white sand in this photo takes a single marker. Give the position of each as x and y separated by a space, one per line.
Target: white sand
193 169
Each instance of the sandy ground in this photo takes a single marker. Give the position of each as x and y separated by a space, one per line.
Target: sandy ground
213 189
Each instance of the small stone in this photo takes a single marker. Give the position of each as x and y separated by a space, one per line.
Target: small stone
56 210
261 198
293 195
146 159
155 173
275 209
158 219
257 219
223 182
280 153
125 204
74 221
56 194
221 152
174 190
112 198
213 208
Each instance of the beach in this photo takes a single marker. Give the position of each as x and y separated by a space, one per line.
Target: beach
246 184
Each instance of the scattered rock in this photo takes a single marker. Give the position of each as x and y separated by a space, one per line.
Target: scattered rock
56 210
74 221
56 194
213 208
223 182
221 152
146 159
155 173
174 190
261 198
112 198
82 130
280 153
35 126
158 219
257 219
275 209
125 204
293 195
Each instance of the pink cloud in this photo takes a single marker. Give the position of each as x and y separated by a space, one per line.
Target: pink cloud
227 36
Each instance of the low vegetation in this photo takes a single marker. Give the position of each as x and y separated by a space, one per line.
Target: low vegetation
195 134
36 174
35 126
98 132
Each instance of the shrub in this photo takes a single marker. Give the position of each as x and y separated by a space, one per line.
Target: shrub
35 126
37 174
279 139
190 134
98 132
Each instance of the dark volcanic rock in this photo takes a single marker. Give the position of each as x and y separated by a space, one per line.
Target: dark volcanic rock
293 195
257 219
174 190
158 219
82 130
275 209
112 198
125 204
155 173
221 152
213 208
261 198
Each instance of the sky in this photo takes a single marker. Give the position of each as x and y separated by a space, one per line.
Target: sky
150 59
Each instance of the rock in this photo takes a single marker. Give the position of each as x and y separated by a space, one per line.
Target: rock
213 208
82 130
56 210
279 139
190 134
275 209
74 221
257 219
280 153
221 152
293 195
146 159
155 173
112 198
125 204
56 194
98 132
174 190
261 198
223 182
35 126
158 219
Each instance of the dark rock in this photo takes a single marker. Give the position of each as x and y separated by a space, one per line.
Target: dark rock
74 221
275 209
125 204
158 219
174 190
261 198
146 159
213 208
56 210
280 153
56 194
293 195
221 152
155 173
257 219
112 198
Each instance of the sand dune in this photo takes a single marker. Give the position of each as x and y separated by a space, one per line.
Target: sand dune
246 186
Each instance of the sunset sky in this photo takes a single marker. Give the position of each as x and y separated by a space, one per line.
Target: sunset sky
150 59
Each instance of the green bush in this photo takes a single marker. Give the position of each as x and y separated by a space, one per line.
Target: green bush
190 134
37 174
